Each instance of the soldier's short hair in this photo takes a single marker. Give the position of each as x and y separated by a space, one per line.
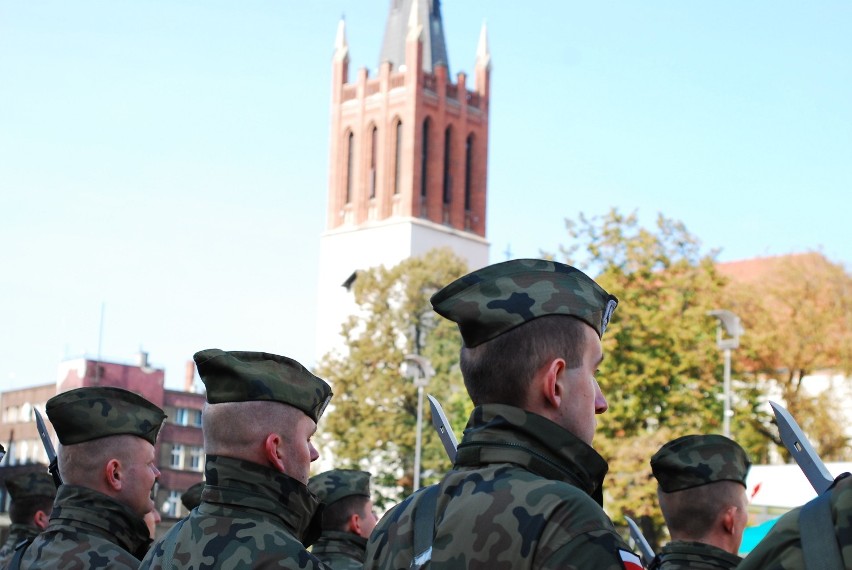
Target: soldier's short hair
500 371
336 515
693 512
232 426
22 511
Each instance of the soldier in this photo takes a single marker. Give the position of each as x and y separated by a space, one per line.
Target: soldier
108 468
348 518
32 497
702 493
816 535
256 510
526 489
191 498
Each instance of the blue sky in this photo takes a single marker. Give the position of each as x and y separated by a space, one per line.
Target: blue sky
168 159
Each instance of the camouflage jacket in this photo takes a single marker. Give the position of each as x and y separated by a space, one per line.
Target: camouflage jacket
250 516
520 496
682 555
781 549
340 550
17 533
87 529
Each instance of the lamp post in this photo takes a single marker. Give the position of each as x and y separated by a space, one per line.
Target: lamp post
734 328
421 379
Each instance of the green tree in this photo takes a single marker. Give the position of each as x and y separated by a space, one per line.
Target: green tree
661 366
371 423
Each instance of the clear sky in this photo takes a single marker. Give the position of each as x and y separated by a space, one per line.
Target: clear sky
167 160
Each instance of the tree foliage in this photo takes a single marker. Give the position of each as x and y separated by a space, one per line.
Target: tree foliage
797 311
661 366
371 423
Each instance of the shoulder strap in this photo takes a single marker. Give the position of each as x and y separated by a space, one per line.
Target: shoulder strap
424 527
20 549
816 527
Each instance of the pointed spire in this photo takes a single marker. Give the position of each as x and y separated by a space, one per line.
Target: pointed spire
341 47
407 17
483 55
415 21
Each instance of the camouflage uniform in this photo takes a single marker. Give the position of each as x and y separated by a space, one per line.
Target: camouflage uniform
524 493
340 550
250 516
781 549
33 486
17 533
88 530
684 555
191 498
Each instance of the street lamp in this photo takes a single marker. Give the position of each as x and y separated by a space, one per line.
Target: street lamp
421 379
734 328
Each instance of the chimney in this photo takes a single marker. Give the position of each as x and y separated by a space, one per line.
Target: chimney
142 359
189 380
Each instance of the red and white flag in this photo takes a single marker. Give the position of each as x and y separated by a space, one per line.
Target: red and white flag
630 561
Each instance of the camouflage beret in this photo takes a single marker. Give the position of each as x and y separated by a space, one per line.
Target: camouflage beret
337 484
191 498
252 376
32 484
91 413
696 460
500 297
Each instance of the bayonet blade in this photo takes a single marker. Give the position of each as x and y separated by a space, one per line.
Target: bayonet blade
53 467
641 542
445 431
801 449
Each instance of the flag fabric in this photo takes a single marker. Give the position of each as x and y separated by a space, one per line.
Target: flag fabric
630 561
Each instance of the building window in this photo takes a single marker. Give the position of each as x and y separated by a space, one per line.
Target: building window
374 140
181 416
424 158
468 166
448 179
176 459
196 458
397 163
350 165
172 505
196 414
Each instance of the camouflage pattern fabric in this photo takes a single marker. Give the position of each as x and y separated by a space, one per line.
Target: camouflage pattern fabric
32 484
695 460
191 498
85 414
17 533
331 486
781 549
520 496
340 550
249 376
88 529
683 555
500 297
250 516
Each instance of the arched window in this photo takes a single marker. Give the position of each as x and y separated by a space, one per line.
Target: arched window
350 165
448 179
374 137
397 161
468 168
424 158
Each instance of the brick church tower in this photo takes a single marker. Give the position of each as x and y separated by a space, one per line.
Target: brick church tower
408 159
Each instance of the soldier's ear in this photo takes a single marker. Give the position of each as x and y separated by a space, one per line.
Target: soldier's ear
729 520
551 385
40 519
354 525
272 449
112 474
